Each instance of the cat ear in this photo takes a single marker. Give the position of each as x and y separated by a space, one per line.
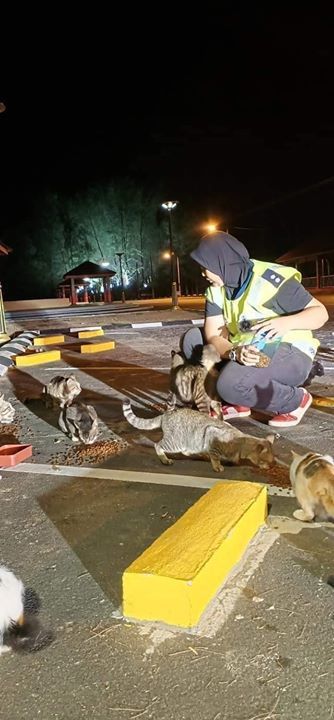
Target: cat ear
173 352
92 411
294 454
271 438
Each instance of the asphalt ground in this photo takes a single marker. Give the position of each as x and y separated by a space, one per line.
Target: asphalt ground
263 648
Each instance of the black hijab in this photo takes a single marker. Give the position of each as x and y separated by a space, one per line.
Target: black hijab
225 256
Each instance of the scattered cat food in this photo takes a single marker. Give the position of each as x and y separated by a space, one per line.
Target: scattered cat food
277 475
94 454
11 428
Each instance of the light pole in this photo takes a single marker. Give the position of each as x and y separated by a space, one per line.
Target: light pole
170 205
152 283
166 255
121 274
4 337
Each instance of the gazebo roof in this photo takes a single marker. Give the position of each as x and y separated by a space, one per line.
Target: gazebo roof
307 250
4 249
89 269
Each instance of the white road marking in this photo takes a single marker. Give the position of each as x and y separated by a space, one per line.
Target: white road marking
132 476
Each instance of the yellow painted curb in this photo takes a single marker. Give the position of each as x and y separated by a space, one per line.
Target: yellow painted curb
38 358
177 576
97 347
51 340
322 401
89 333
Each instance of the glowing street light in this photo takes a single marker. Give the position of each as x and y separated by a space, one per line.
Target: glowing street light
166 256
212 227
170 205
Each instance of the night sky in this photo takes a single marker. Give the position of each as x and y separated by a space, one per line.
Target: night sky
229 109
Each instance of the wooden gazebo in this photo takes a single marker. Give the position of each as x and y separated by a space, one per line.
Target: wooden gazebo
85 272
315 263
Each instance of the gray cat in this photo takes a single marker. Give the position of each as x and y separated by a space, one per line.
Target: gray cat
61 391
196 384
192 433
79 422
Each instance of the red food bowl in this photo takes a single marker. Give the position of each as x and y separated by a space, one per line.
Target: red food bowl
13 454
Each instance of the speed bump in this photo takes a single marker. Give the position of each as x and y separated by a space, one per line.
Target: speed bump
90 333
37 358
50 340
176 577
97 347
322 400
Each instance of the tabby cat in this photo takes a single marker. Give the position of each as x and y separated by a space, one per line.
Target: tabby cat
189 432
312 479
196 384
61 391
79 422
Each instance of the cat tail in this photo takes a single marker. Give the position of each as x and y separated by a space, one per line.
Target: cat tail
141 423
29 635
210 357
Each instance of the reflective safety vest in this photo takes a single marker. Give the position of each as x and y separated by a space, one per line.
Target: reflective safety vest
266 281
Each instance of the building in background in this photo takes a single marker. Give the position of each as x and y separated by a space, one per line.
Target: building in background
316 265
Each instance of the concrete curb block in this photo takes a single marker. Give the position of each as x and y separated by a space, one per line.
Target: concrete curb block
322 401
14 347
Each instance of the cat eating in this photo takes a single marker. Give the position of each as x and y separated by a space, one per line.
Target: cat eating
189 432
312 479
79 422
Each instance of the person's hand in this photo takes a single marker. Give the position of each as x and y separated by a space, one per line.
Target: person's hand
275 328
247 355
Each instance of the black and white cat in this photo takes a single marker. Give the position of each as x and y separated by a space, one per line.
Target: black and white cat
20 628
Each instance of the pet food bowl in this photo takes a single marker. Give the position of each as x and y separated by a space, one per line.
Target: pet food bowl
13 454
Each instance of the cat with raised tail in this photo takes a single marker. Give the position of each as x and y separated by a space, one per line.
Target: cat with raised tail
18 621
312 479
189 432
195 385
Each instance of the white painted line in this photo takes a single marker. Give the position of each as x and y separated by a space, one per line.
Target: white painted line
146 325
221 607
197 322
103 369
85 327
128 476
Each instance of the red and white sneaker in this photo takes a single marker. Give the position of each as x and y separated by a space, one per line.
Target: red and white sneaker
233 412
293 418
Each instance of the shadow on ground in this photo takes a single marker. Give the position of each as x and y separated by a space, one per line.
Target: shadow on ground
108 523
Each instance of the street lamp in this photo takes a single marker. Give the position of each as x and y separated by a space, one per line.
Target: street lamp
121 274
166 256
211 227
170 205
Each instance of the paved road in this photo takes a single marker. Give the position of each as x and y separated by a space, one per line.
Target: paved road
263 650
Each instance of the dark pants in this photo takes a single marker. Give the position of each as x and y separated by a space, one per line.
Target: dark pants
275 389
